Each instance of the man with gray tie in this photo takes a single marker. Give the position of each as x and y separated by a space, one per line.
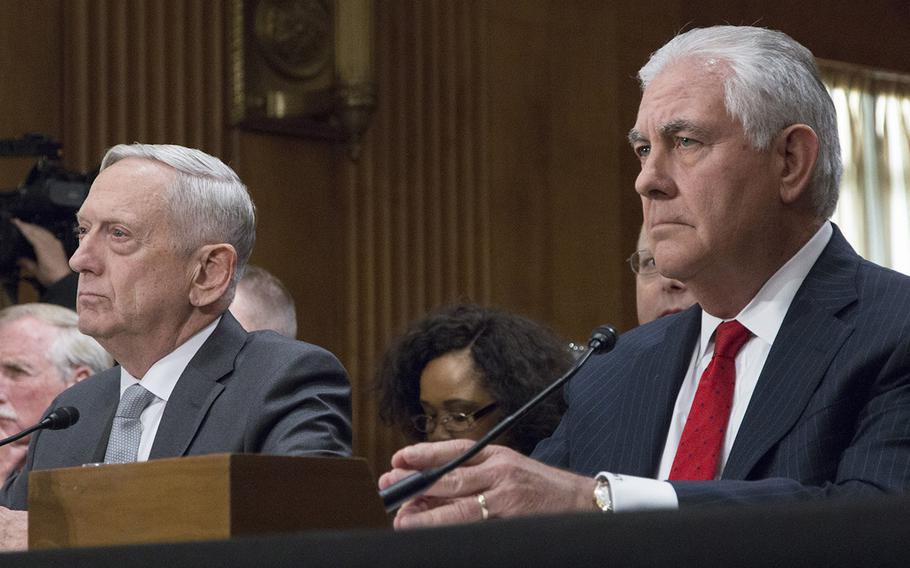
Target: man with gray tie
165 234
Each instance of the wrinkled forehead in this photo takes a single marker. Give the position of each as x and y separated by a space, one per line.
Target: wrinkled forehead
28 328
683 96
132 187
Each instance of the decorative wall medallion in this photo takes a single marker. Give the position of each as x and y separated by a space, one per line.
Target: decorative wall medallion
303 67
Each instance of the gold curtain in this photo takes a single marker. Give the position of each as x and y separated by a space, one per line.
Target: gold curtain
873 111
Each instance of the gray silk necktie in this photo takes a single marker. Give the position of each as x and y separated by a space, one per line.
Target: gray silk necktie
126 431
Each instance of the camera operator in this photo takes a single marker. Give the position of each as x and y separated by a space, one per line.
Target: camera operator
50 267
37 222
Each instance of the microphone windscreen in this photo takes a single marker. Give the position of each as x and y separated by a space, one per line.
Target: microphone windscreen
603 338
63 417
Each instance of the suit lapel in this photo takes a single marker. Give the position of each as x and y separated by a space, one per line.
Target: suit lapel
654 384
197 389
809 338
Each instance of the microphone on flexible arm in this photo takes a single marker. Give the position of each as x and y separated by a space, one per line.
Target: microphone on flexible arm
58 419
602 340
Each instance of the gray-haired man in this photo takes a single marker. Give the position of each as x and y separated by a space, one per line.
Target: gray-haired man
42 352
164 234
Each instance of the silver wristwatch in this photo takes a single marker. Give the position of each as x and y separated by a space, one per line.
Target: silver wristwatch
603 495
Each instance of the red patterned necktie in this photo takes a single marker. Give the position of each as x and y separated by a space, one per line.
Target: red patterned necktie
699 449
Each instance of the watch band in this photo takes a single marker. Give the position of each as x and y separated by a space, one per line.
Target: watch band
603 493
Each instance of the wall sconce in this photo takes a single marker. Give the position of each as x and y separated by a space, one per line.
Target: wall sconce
304 68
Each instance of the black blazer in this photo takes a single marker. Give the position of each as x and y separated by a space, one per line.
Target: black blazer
241 393
830 414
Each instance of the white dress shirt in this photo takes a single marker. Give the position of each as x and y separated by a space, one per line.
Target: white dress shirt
763 316
160 380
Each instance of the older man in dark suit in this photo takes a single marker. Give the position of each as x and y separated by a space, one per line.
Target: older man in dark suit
791 378
165 234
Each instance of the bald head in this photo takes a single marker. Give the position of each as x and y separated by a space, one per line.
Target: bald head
262 302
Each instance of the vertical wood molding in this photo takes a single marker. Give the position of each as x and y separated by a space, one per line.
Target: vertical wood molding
417 203
143 70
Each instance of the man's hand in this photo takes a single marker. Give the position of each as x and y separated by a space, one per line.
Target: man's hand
51 264
512 485
13 529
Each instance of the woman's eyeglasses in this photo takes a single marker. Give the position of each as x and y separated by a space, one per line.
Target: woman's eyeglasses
453 423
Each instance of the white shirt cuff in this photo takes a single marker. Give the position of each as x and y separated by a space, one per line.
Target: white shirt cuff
630 493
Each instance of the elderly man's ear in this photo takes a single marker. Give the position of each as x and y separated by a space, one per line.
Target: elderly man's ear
215 266
796 148
77 374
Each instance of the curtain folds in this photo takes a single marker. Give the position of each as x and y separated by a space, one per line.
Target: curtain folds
873 113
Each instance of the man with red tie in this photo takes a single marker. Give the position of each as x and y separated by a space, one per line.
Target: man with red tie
790 380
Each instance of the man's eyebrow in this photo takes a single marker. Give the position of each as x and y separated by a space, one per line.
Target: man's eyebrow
671 128
635 137
682 125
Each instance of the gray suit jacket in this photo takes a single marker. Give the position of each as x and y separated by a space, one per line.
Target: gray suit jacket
830 415
241 393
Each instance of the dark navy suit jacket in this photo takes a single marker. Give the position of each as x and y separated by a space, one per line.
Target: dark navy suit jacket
241 393
830 415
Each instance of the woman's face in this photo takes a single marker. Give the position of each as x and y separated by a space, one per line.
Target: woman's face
450 385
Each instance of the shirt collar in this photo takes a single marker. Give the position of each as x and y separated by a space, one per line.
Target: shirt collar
764 315
162 377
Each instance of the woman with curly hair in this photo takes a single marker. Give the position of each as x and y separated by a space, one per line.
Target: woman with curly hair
456 372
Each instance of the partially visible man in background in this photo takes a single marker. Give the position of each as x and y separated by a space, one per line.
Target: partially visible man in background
42 353
655 294
263 302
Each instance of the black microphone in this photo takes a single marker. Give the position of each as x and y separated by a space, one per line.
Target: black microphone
603 339
58 419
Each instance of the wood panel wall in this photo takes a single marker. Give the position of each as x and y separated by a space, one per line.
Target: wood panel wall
150 71
417 204
495 168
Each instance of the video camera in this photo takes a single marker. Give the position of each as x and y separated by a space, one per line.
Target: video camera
49 197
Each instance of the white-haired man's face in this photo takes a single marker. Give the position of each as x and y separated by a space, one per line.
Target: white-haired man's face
29 382
710 200
133 284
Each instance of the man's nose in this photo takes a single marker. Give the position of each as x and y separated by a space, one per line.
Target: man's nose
84 259
654 180
671 285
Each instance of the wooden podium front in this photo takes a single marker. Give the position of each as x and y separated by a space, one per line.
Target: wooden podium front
208 497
